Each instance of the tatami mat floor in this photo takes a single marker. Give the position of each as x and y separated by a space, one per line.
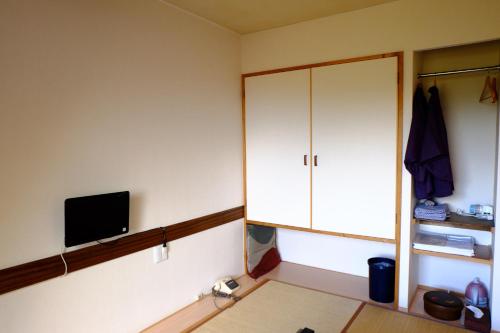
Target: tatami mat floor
336 283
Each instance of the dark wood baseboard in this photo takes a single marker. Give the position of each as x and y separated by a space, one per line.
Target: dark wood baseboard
23 275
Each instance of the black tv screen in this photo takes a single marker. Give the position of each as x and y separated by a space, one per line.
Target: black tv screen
95 217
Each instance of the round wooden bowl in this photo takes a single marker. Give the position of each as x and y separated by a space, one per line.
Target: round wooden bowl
443 305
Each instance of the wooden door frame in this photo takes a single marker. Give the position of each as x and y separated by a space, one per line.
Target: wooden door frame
399 153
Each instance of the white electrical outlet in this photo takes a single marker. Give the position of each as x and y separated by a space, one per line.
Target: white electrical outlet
160 253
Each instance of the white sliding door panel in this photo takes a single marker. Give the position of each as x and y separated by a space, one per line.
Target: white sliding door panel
354 110
277 138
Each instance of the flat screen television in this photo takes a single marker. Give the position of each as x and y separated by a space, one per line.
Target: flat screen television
95 217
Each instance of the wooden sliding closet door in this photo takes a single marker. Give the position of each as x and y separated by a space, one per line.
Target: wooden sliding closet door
354 110
277 148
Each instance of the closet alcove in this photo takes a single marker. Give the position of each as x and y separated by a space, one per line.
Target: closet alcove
472 128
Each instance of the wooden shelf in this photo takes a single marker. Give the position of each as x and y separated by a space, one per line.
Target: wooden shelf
482 255
462 222
330 233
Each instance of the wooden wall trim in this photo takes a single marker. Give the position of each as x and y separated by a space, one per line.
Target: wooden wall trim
322 64
23 275
329 233
399 174
244 170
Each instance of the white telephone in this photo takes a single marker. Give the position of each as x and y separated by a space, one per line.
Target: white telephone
226 286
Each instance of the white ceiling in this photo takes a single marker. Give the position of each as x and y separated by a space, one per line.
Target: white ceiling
246 16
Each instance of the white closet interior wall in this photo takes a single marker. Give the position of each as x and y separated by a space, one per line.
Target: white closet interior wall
472 134
345 255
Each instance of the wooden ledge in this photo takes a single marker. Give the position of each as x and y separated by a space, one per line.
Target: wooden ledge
23 275
330 233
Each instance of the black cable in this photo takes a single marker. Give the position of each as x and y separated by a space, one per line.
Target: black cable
216 293
164 230
215 303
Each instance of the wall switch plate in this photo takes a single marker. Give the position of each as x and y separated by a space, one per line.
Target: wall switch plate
160 254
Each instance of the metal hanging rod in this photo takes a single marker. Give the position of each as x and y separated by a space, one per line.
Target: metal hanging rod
460 71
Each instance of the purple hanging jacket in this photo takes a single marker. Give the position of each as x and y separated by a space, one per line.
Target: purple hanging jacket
427 155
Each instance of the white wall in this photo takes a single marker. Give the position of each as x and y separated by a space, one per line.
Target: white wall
495 272
127 294
449 274
99 96
400 25
329 252
405 25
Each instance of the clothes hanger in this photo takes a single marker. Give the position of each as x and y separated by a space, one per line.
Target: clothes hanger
486 89
494 91
489 90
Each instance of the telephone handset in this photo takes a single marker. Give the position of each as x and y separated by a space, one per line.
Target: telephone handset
225 286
